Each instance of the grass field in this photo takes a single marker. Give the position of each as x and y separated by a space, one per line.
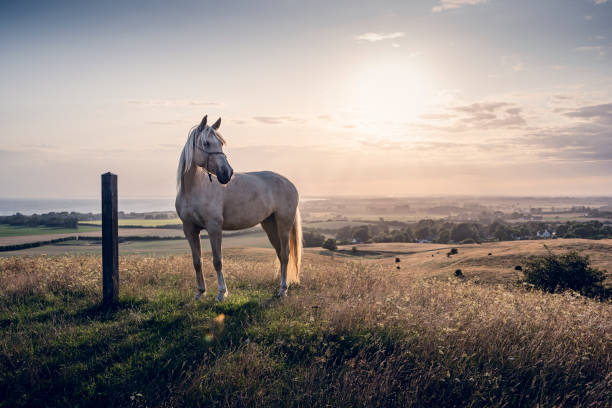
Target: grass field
139 222
14 231
355 332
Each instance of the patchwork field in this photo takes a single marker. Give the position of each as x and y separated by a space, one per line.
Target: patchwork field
161 247
139 222
9 231
355 332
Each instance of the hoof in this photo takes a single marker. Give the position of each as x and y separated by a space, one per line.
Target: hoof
282 293
221 296
199 294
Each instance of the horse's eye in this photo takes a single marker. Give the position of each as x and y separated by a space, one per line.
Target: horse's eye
206 144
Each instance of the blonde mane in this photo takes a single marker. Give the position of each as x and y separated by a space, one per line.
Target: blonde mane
187 153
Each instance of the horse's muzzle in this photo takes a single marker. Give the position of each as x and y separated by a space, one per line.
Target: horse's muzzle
225 176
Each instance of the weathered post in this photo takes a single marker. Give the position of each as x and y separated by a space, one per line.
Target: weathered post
110 240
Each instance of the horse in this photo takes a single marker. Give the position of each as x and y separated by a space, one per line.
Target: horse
211 197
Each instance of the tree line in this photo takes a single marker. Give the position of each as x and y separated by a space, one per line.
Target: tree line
446 232
52 219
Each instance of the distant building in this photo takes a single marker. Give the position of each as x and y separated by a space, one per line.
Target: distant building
545 234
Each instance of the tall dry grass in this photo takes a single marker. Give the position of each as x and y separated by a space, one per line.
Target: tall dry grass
351 334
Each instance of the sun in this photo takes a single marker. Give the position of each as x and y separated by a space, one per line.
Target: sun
387 92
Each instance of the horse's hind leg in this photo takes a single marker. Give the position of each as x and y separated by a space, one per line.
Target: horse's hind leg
215 234
283 231
269 225
193 237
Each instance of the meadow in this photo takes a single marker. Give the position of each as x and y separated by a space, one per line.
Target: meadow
17 231
132 222
355 332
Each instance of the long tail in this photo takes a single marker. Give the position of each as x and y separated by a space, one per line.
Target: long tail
295 250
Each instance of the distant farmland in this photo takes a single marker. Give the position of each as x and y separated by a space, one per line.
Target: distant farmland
138 222
17 231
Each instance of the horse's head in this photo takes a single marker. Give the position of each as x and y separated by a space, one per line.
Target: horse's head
208 152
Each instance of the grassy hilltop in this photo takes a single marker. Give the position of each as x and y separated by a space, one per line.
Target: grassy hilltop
356 331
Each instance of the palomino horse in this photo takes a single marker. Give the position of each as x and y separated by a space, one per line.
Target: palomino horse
216 204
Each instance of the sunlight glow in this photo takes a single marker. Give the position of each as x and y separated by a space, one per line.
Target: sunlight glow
388 91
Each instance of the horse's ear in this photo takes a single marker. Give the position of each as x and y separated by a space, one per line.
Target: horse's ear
217 124
203 123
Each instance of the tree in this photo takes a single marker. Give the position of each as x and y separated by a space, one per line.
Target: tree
344 234
464 231
361 233
503 233
423 232
398 236
443 236
312 239
330 244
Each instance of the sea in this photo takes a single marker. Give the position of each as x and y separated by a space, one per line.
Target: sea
28 206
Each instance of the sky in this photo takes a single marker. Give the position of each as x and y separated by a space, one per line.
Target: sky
389 98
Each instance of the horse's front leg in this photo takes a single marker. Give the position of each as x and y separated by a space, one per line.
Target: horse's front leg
215 234
193 237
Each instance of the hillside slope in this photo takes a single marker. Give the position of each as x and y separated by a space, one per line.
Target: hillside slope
355 332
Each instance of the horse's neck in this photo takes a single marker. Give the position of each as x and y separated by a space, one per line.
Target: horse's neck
193 180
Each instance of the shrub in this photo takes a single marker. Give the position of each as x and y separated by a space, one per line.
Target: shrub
566 271
313 239
330 244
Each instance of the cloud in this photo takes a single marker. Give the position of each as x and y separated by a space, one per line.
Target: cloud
171 102
589 139
41 146
575 143
436 116
476 108
600 1
278 120
488 115
478 115
453 4
600 50
374 37
600 113
167 122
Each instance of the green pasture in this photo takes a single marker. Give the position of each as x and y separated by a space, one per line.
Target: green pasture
14 231
139 222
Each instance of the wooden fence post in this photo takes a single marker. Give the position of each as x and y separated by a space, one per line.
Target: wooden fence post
110 240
